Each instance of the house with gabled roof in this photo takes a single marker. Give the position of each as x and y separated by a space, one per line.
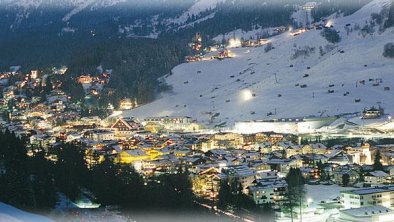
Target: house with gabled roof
377 177
207 182
126 127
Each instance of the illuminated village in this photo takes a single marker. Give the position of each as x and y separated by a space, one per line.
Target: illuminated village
160 145
344 163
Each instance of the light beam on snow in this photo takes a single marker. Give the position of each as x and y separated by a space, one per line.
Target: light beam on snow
246 95
329 23
234 43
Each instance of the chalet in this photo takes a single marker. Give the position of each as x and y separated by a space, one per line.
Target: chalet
351 170
207 183
85 79
293 150
181 152
309 5
243 174
376 177
217 153
339 158
158 166
259 166
171 123
372 113
317 148
126 104
283 165
269 137
99 135
223 140
131 156
268 191
126 127
169 120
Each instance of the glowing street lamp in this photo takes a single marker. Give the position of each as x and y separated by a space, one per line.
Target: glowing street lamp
309 200
246 95
234 43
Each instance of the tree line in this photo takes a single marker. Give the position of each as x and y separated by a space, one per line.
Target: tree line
33 182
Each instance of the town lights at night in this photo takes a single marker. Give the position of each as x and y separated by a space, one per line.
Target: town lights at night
197 110
234 43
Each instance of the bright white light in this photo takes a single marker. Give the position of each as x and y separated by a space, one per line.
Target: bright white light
329 23
137 165
309 200
246 95
222 165
234 43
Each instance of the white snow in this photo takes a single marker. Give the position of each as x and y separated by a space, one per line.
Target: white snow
11 214
191 24
326 193
79 6
253 34
76 5
302 17
197 8
268 74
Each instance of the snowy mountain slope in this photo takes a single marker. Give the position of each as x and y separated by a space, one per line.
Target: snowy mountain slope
77 6
197 8
256 33
135 18
248 86
25 7
11 214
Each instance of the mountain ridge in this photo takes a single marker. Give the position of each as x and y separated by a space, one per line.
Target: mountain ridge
256 83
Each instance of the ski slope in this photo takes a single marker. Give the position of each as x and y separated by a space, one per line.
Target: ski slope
254 83
11 214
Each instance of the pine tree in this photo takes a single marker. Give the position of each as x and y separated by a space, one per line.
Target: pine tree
377 165
106 184
390 19
225 195
345 179
295 190
71 170
15 183
43 181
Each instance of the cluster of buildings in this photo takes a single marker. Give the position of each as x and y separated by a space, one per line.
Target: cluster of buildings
33 104
259 161
94 84
220 51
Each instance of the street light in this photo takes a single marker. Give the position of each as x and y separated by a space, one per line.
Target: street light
309 200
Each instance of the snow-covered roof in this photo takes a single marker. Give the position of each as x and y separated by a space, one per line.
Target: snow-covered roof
367 211
378 173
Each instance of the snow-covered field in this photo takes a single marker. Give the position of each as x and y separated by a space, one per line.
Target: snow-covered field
198 7
326 193
315 194
11 214
255 82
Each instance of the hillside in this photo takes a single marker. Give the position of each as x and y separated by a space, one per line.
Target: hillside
11 214
255 83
